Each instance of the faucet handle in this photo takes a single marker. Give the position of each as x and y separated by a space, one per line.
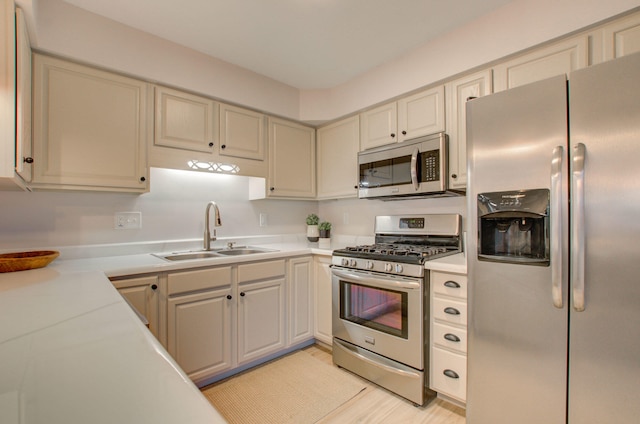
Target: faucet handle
230 245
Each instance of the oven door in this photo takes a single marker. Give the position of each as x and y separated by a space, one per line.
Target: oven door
380 313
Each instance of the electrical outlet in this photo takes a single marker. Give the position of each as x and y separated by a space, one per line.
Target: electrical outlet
128 220
263 219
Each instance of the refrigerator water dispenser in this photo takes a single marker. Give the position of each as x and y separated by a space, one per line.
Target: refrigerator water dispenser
513 227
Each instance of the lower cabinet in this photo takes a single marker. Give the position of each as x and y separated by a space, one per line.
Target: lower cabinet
448 374
213 320
322 293
261 309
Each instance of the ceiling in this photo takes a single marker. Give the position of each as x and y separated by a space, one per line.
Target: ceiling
307 44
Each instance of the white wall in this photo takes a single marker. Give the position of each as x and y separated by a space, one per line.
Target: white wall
172 210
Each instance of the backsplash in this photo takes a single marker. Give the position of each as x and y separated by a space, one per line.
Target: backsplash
174 210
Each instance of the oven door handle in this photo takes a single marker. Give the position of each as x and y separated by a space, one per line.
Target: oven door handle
381 282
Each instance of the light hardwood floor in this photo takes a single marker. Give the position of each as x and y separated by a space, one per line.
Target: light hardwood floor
377 405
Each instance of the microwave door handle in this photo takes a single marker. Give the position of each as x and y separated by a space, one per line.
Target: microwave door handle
414 169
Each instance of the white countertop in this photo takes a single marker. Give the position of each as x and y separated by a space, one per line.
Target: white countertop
73 351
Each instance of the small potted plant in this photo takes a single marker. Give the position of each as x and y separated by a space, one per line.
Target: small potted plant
312 227
325 229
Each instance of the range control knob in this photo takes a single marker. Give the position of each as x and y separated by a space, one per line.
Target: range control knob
344 262
398 268
353 263
369 265
388 267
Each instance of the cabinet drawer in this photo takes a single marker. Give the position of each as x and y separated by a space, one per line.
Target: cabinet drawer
260 270
446 336
449 284
449 373
182 282
452 311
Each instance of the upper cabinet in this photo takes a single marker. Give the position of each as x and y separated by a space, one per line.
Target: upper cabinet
410 117
241 133
459 92
338 146
622 37
185 121
15 101
90 128
292 160
557 59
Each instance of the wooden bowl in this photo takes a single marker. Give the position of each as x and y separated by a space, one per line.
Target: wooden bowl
21 261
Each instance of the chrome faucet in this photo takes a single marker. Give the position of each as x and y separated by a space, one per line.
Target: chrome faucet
216 222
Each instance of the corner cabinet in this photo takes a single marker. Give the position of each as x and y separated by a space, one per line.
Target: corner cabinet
338 146
292 160
143 294
90 128
458 93
448 363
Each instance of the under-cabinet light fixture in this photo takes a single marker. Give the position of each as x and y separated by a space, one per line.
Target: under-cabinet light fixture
227 168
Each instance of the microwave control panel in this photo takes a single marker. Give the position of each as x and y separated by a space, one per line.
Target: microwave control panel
430 163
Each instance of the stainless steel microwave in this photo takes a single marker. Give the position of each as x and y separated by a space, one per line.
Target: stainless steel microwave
412 168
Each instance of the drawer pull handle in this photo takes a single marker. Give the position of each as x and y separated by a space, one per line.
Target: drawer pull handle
450 373
451 311
452 284
452 337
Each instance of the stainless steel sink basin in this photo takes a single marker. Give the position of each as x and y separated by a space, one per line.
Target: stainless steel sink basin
217 253
189 255
236 252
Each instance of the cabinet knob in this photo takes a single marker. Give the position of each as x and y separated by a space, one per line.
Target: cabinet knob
242 294
211 144
229 297
454 175
224 146
154 287
393 135
451 311
452 284
450 373
404 133
28 160
272 188
143 179
355 186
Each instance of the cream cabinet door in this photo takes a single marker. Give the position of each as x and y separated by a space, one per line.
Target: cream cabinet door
379 126
338 146
241 133
142 293
23 98
90 128
300 287
622 37
261 319
184 121
421 114
458 93
199 332
322 294
560 58
292 160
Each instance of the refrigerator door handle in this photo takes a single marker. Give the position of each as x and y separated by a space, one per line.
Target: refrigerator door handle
556 226
577 227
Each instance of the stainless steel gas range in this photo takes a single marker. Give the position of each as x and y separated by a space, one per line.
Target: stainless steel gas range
380 312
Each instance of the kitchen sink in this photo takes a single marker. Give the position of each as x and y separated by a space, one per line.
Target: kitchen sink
216 253
245 251
188 256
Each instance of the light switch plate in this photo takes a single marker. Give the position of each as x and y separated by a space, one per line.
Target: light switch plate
128 220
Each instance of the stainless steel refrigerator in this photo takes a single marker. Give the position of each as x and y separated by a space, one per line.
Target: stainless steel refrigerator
554 250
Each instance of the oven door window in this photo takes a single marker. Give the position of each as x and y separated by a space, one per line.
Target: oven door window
381 309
